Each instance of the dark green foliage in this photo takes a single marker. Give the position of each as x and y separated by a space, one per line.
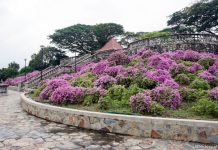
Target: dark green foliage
90 99
47 56
25 70
206 107
132 90
14 65
206 62
186 63
199 17
104 31
125 81
192 95
182 79
6 73
156 108
144 83
93 37
105 103
200 84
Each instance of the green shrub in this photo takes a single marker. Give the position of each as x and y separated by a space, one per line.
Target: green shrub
200 84
116 92
90 99
156 108
206 107
85 80
144 83
37 91
125 81
132 63
192 76
186 63
192 95
104 103
206 62
182 79
132 90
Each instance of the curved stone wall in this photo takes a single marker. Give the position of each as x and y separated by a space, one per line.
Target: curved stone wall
155 127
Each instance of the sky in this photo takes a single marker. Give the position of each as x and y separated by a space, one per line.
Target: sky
26 24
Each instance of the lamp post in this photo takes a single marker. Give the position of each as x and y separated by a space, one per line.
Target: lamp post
75 61
25 68
42 63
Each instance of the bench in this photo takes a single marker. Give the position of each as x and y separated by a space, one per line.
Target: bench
3 89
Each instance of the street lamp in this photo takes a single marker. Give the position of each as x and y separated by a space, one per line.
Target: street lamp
75 61
25 68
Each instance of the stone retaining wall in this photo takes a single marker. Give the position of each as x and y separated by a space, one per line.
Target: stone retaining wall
155 127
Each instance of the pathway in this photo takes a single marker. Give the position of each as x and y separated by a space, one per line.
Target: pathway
18 130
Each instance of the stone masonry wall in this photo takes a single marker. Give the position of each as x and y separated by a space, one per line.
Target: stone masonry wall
155 127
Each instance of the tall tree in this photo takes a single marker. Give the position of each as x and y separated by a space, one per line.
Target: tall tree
85 38
79 38
14 65
104 31
200 17
47 56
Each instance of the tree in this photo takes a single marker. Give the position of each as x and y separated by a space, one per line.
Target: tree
47 56
25 70
6 73
14 65
79 38
200 17
85 38
152 34
105 31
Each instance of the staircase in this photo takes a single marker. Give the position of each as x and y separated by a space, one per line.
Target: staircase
66 66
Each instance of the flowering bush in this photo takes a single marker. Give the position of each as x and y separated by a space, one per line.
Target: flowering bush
182 79
140 103
195 67
104 82
119 58
100 67
114 70
214 93
214 68
170 83
68 93
200 84
207 75
159 62
20 79
144 53
166 96
206 62
176 69
158 75
191 55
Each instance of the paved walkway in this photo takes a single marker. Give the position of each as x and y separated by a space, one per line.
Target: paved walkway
18 130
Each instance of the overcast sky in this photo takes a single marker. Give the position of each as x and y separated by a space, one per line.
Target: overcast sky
26 24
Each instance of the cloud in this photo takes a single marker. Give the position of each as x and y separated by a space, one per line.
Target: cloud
26 24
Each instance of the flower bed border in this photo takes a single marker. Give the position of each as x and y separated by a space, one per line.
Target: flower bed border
155 127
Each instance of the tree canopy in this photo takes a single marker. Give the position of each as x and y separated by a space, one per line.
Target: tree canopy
85 38
47 56
200 17
14 65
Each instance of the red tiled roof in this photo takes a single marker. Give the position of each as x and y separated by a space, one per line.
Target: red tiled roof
112 44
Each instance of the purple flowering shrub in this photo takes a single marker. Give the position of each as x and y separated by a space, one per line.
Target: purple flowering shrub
20 79
66 94
167 96
146 82
119 58
104 82
213 93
